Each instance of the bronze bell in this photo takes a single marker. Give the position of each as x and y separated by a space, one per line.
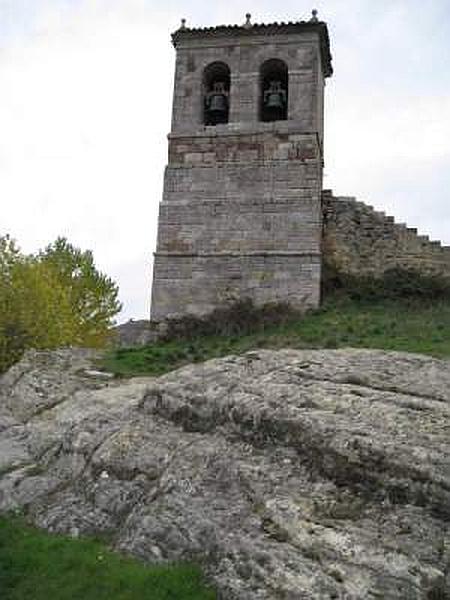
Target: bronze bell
216 104
216 99
275 96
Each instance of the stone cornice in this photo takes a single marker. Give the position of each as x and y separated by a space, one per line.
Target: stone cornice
320 27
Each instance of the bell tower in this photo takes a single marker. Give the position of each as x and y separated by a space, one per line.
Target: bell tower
241 212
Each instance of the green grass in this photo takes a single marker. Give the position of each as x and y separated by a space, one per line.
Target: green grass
38 566
411 325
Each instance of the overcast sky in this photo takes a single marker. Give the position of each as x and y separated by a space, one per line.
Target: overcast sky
85 101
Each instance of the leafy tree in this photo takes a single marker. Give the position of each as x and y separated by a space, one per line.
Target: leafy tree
11 331
8 253
93 295
55 298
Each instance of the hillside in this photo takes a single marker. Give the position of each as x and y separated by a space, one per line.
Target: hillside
409 316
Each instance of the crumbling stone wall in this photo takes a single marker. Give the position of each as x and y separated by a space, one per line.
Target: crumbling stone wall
359 240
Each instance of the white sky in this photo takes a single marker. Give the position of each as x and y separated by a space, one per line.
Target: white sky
85 101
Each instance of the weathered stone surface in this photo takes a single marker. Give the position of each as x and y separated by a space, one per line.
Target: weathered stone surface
359 240
135 333
288 474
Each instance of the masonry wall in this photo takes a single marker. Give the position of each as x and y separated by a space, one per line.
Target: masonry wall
244 55
205 282
241 210
362 241
235 225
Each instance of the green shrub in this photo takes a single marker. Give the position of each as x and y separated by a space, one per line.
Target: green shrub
396 283
240 318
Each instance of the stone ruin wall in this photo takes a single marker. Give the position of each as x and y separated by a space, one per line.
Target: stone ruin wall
359 240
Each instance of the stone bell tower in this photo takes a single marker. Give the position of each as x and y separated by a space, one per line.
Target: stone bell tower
241 210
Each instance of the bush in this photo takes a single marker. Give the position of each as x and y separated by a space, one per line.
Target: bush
240 318
396 283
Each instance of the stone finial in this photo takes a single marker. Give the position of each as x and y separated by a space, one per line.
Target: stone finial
248 23
183 24
314 18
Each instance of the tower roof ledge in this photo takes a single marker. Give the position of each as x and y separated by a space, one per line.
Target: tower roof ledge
248 29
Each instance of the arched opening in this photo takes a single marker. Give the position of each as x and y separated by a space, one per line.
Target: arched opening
273 102
216 97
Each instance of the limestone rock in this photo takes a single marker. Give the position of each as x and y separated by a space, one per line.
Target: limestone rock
286 474
135 333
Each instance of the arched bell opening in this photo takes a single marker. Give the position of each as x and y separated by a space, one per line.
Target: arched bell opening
216 98
273 103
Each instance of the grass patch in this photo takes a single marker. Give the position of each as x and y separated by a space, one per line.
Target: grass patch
39 566
411 324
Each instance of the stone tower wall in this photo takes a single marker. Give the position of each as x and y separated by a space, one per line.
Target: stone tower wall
244 53
241 210
359 240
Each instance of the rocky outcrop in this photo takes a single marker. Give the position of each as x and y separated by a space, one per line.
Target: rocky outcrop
286 474
135 333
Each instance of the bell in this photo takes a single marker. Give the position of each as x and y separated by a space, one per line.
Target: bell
274 101
275 96
217 103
